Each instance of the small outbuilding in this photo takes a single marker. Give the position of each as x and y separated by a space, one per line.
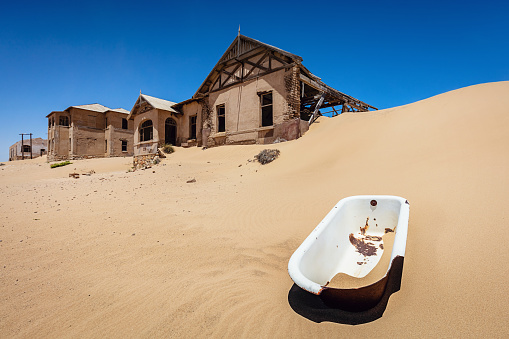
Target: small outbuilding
28 149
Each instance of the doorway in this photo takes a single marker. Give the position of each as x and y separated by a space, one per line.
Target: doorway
170 132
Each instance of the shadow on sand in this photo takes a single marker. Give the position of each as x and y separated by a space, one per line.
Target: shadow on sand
312 306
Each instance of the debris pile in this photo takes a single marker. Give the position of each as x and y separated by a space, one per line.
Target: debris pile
267 155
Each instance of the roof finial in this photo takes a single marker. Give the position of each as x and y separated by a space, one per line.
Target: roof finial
239 30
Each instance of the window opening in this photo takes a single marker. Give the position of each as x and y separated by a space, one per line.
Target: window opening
124 145
64 121
146 131
192 127
124 123
26 148
221 121
266 104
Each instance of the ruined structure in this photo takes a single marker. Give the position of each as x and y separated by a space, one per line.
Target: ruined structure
256 93
28 149
158 123
89 131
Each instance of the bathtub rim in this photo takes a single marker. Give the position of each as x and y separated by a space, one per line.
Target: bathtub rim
398 248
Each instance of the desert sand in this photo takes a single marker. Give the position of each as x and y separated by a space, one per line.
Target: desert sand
146 254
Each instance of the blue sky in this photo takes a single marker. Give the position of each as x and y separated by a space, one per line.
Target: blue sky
58 54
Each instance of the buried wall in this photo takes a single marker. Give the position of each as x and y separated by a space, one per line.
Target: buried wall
242 105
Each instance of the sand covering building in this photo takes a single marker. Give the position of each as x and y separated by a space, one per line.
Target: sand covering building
256 93
28 149
89 131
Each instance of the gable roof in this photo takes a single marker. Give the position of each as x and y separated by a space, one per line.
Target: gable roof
92 107
240 46
245 46
119 110
157 103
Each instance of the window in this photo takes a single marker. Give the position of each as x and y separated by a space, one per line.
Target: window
49 122
192 127
266 104
124 145
105 146
221 123
124 123
64 121
105 122
146 131
25 148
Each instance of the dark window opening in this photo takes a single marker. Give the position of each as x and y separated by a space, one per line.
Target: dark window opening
170 132
146 131
105 146
25 148
124 145
49 122
221 121
192 127
124 123
105 122
266 104
63 121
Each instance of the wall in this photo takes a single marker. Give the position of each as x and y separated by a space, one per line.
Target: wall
146 147
243 110
114 134
38 144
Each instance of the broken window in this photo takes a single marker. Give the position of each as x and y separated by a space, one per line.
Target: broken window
124 145
146 131
221 121
25 148
124 123
64 121
192 127
266 105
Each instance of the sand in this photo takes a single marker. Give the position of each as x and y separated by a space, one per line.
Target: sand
146 254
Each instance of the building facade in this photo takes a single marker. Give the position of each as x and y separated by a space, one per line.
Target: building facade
26 149
255 94
89 131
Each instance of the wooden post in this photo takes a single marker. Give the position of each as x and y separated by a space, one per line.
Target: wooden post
22 151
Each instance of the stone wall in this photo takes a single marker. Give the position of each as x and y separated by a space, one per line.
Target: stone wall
292 85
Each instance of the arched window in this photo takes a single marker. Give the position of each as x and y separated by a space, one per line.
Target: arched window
146 131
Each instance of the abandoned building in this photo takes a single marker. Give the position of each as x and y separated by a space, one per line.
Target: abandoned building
28 149
89 131
156 122
256 93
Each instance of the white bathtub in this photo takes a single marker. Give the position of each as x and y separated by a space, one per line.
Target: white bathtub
340 245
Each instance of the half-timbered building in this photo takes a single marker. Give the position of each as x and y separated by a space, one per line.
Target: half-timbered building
256 93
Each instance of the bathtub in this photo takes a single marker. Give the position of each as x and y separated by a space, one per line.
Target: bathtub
349 242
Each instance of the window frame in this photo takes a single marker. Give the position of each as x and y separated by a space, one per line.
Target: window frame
193 121
142 130
219 108
263 123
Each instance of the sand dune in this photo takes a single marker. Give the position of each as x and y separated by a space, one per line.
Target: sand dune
146 254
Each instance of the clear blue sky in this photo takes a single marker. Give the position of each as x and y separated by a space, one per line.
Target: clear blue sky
387 53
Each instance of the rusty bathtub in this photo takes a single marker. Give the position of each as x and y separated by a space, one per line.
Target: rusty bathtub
347 246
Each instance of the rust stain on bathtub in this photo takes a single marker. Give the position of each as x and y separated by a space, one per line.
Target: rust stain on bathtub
364 248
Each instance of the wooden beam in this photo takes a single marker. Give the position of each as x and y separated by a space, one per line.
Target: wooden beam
315 113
